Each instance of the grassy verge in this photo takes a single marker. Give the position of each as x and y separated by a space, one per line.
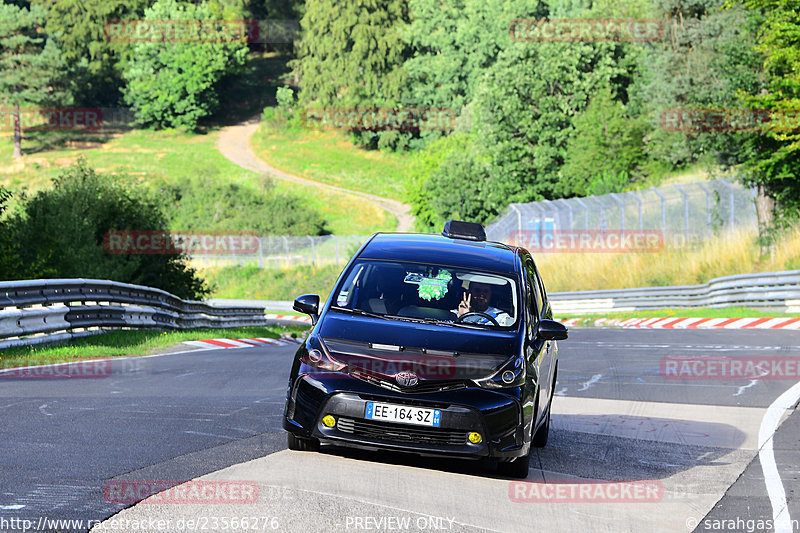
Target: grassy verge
251 282
153 157
735 253
725 312
124 343
329 157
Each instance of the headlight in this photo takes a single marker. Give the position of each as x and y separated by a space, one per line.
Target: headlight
510 374
318 356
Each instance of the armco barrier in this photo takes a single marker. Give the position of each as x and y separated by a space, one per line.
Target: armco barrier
33 312
769 291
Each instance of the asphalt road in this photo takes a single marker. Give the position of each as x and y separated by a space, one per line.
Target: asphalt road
617 421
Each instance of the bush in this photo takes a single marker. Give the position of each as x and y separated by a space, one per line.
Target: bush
200 205
62 229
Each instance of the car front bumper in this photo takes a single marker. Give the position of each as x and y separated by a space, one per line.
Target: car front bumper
496 415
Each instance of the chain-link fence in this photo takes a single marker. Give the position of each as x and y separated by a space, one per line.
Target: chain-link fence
684 213
287 252
681 214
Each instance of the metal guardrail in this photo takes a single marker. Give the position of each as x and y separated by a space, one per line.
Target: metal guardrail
773 291
38 311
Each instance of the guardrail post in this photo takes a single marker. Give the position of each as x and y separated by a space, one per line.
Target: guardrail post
260 254
286 247
313 258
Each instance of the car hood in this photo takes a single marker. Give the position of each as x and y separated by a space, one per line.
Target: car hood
383 348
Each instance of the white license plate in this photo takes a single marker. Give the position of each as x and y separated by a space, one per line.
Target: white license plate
404 414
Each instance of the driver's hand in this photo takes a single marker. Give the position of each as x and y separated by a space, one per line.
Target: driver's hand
464 304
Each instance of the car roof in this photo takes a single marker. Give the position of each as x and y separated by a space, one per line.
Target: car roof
441 250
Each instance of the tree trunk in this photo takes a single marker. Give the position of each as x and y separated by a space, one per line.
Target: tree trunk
765 212
17 134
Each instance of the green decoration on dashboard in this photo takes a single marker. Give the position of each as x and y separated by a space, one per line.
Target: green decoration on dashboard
434 288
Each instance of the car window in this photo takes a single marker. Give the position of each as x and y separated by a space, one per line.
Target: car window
430 292
534 290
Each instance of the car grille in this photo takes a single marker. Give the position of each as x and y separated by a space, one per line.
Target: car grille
421 387
401 433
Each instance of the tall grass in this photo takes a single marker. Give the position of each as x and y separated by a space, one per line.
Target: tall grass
728 254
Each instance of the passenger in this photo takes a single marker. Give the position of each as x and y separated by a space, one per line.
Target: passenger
477 299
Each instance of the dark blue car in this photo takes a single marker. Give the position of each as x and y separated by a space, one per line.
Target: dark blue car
431 344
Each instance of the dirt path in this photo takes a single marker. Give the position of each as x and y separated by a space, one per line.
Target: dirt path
234 144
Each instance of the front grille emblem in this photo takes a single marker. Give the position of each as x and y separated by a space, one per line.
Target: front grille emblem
406 378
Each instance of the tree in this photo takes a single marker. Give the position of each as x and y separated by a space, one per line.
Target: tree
454 42
607 143
79 27
9 259
30 63
774 166
525 109
174 84
63 230
350 55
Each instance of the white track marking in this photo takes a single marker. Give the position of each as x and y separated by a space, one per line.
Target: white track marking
769 424
591 382
42 410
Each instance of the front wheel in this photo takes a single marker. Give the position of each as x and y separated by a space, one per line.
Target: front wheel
539 439
302 444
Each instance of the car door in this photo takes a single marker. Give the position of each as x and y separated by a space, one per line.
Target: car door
548 364
536 348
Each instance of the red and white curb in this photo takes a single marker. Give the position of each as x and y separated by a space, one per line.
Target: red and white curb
244 343
293 318
687 323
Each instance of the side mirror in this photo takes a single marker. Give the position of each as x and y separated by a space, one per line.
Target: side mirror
308 304
550 330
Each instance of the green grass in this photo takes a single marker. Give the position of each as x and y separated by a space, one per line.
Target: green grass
153 156
126 342
251 282
330 157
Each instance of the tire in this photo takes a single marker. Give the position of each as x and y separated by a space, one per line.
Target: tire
539 439
518 468
302 444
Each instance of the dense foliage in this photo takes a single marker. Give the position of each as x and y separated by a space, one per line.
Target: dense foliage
60 232
536 119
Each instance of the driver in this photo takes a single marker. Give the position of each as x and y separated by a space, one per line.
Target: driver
476 300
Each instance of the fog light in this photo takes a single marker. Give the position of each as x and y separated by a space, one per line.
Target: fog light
329 421
474 437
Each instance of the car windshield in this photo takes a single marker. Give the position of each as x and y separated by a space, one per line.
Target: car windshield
426 292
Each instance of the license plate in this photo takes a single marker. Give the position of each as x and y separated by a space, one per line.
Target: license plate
404 414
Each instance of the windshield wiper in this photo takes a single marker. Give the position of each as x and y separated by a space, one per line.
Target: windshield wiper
359 312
